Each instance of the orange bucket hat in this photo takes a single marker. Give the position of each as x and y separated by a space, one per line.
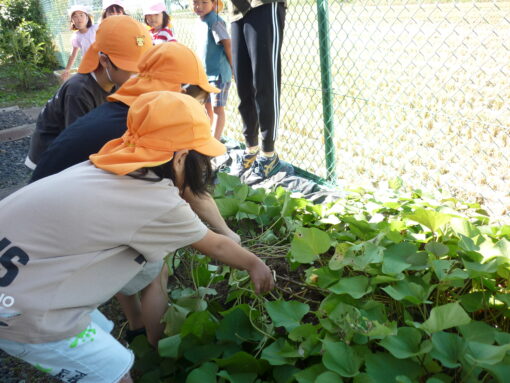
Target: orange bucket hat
159 124
123 39
164 67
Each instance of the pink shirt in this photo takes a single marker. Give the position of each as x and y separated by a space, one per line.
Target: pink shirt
84 40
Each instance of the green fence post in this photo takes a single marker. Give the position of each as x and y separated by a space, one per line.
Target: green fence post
327 92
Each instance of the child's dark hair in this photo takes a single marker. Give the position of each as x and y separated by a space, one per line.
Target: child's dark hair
89 22
166 20
198 172
114 8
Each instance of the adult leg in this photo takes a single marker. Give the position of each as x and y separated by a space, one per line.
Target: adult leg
243 73
263 34
130 305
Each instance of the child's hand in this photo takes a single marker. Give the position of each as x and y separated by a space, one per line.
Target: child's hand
64 76
262 277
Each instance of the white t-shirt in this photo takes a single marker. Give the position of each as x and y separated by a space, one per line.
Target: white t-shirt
84 40
70 241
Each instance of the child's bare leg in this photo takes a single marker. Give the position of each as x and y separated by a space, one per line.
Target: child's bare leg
154 299
219 121
131 307
209 109
126 379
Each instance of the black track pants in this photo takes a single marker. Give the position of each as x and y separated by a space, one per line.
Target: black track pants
256 45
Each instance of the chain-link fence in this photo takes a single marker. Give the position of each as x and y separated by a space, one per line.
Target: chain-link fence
374 90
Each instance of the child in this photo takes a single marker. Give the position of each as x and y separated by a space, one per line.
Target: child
157 18
163 67
113 8
83 37
109 62
215 48
71 241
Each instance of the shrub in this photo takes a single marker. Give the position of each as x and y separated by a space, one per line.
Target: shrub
25 43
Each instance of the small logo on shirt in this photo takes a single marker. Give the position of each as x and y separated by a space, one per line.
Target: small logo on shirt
140 41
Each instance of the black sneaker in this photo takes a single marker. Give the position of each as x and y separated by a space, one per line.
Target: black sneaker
242 163
264 167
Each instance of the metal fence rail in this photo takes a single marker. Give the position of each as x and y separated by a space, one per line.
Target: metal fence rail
373 90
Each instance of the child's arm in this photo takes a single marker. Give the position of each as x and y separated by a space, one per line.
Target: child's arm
227 46
70 63
205 207
227 251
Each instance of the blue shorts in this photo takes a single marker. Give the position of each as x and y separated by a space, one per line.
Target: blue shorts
219 99
91 356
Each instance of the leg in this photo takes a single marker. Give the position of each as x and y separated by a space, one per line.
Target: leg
210 113
263 38
154 299
131 307
126 379
243 74
219 121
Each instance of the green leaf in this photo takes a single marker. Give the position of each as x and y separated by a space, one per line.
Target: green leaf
384 368
206 373
445 316
284 374
405 344
356 287
341 358
241 362
308 244
174 320
228 181
395 258
483 354
474 301
228 207
395 183
437 248
236 327
280 353
200 324
203 353
500 371
448 348
328 377
477 331
169 347
430 218
310 374
241 192
440 378
287 313
303 332
322 277
406 290
239 377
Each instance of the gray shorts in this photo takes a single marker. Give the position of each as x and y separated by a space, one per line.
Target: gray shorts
219 99
143 278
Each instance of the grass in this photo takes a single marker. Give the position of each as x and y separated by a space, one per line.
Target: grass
11 95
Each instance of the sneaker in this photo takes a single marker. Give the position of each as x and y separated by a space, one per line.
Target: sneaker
242 163
264 167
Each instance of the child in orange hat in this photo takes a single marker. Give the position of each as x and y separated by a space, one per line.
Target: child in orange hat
85 34
110 61
90 229
163 67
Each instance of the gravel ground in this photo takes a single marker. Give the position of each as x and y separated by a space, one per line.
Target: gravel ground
13 174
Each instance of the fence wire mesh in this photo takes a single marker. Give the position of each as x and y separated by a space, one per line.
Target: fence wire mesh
417 90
